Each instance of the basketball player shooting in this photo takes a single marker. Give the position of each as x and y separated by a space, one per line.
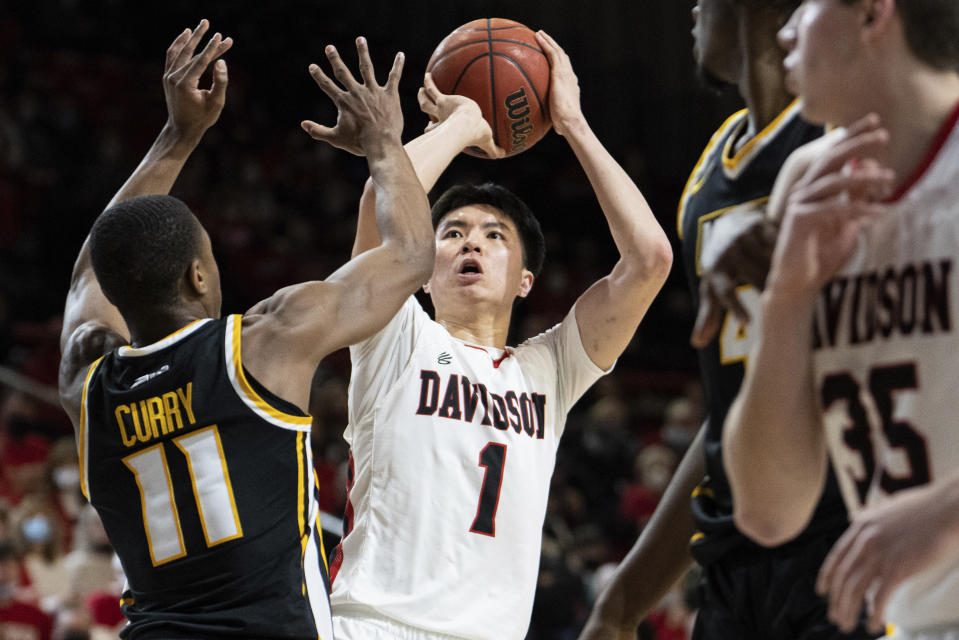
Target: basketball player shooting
195 452
452 433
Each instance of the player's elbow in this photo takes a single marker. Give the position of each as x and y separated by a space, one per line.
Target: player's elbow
764 526
651 262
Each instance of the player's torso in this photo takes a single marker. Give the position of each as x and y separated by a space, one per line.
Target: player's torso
885 361
729 177
207 499
452 473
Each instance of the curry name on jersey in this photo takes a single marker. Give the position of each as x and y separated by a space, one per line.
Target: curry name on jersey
204 482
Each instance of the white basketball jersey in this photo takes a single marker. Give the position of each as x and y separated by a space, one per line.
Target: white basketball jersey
452 449
886 361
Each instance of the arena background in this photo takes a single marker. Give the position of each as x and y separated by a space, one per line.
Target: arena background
81 101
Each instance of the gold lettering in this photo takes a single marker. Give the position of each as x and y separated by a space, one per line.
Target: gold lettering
173 418
157 417
128 441
187 400
142 427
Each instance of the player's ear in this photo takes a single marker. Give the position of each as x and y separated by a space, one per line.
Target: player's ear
197 279
877 16
525 283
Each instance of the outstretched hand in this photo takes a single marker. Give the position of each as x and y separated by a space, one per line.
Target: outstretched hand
191 110
440 107
368 115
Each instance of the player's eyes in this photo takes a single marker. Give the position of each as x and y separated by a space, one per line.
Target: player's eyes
495 235
452 233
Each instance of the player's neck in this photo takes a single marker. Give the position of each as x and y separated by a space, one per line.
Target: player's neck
762 87
157 324
488 329
914 114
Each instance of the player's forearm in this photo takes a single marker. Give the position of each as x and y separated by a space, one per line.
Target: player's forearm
641 241
401 213
773 444
661 554
160 167
430 153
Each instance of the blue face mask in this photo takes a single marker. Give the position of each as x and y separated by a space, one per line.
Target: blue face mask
37 529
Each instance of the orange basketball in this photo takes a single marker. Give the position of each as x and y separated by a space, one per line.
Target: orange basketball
499 64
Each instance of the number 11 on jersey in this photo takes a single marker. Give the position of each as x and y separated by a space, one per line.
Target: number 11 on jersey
492 458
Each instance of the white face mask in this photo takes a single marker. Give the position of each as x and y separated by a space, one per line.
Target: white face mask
67 477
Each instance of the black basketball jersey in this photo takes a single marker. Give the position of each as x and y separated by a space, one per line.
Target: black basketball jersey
205 485
725 179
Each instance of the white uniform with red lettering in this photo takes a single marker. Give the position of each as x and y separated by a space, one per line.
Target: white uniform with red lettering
886 363
452 450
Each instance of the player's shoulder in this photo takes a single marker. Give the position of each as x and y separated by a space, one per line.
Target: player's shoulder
85 345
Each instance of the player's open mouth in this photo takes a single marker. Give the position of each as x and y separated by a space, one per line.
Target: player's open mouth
470 266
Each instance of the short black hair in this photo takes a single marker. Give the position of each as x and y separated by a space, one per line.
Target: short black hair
141 248
932 30
530 233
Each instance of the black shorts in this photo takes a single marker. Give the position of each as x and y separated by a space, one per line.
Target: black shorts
768 594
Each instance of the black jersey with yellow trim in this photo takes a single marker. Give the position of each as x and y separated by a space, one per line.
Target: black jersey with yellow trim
725 179
204 482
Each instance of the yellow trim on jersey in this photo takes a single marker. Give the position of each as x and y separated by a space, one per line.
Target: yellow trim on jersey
700 490
127 350
301 490
695 181
300 421
127 601
699 535
732 160
716 214
890 630
319 527
82 439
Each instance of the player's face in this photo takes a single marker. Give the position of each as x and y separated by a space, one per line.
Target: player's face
824 64
479 258
715 44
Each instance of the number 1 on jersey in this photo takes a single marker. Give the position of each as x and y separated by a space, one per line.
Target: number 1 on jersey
492 458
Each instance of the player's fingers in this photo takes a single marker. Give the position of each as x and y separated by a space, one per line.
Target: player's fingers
707 322
216 47
340 70
186 52
396 72
859 182
427 106
220 80
324 82
834 557
877 609
432 91
318 131
847 603
549 47
365 63
174 50
863 145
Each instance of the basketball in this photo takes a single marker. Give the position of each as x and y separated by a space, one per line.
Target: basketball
499 64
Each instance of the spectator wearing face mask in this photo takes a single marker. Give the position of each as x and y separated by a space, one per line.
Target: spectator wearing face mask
18 619
35 532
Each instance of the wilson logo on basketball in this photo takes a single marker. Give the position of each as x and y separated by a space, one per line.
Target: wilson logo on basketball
517 108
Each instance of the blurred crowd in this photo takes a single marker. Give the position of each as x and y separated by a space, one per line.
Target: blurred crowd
74 122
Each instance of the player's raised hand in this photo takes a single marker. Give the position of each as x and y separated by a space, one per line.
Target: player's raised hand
367 114
441 107
826 208
192 110
564 105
